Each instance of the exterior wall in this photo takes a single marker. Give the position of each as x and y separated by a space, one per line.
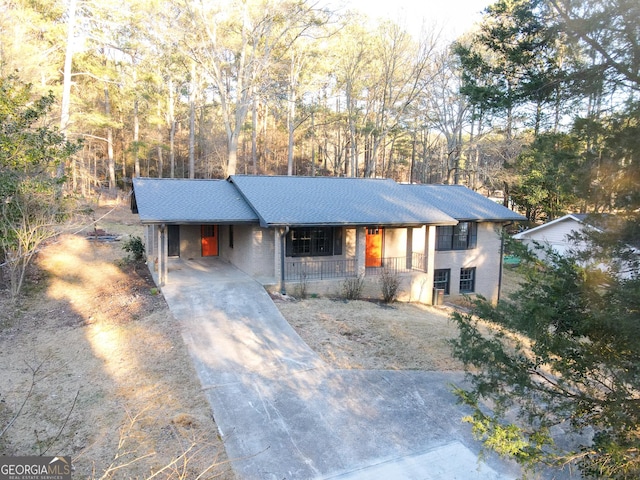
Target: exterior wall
190 242
395 242
554 235
485 258
398 242
253 251
422 240
256 251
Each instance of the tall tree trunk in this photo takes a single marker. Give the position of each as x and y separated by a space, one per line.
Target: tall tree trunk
160 161
136 138
313 143
172 153
233 153
254 136
111 166
66 85
192 121
291 128
172 130
160 153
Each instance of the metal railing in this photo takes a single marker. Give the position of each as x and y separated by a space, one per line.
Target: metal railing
319 269
306 269
396 265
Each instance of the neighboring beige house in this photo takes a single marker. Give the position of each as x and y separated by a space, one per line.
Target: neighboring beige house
321 230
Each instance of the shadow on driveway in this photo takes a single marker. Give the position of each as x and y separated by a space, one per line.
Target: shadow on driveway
284 414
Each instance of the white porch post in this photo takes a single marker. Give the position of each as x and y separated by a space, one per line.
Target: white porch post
165 254
147 253
429 260
159 256
409 249
361 249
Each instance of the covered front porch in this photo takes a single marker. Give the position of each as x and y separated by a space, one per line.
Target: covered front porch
272 256
306 269
407 252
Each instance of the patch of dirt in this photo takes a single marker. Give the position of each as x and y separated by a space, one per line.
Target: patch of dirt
369 335
93 366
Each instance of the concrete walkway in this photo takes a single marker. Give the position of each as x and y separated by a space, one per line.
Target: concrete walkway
284 414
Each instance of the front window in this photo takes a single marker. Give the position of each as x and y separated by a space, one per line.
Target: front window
462 236
310 242
467 280
441 280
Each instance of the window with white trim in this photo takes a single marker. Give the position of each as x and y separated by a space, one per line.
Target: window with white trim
441 279
467 280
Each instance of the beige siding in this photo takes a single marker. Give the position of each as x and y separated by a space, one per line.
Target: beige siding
395 242
253 250
190 243
555 235
485 258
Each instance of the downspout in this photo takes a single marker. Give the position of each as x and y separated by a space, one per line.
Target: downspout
283 247
501 259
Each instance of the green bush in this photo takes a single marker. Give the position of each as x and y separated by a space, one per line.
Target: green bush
135 248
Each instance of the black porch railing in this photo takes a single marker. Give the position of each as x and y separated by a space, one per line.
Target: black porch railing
319 269
396 265
306 269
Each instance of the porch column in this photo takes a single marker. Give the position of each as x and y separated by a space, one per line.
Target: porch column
409 249
165 253
361 250
429 260
159 255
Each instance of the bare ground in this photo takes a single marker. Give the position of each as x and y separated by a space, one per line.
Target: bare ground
371 335
98 361
93 366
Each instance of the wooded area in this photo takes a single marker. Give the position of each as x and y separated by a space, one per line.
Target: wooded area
535 103
538 104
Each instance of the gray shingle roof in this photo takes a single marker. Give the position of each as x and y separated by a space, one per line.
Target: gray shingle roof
463 203
166 200
298 201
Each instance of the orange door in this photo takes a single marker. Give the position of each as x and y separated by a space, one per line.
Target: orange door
374 248
209 237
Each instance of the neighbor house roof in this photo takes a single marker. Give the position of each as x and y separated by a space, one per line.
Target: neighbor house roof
167 200
462 203
298 201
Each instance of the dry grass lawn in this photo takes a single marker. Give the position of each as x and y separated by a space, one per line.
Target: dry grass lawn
93 366
370 335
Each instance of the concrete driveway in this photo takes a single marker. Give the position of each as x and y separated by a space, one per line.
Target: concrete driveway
284 414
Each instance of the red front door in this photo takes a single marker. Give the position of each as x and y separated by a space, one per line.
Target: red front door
374 248
209 240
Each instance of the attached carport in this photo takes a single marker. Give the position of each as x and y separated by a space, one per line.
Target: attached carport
195 203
